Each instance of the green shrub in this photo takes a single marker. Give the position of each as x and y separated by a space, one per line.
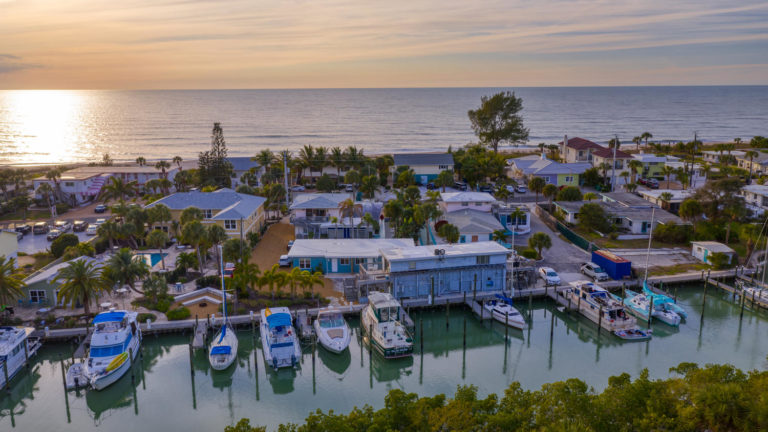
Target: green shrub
570 193
672 233
143 317
61 208
100 245
529 253
61 244
720 260
208 281
178 314
162 305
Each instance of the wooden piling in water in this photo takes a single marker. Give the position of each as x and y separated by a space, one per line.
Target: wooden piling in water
421 335
464 340
506 328
743 300
474 289
447 312
675 298
650 311
130 363
191 363
704 298
530 304
599 320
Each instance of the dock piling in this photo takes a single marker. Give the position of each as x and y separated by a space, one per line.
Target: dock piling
704 298
447 313
474 290
506 328
675 298
599 320
191 364
742 300
650 311
421 335
551 328
464 339
130 364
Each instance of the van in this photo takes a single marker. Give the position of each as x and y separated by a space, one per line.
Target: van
40 228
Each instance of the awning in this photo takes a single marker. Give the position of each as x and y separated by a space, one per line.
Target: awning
109 317
279 319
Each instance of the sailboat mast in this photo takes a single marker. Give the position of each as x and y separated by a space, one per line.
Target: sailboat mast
221 272
650 238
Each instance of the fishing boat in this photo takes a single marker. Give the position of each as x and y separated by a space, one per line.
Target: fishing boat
115 343
501 310
639 304
332 330
16 349
380 321
279 341
595 303
224 346
663 302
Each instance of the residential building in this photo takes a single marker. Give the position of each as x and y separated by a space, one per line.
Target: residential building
605 156
703 250
577 149
242 165
625 199
652 165
342 255
673 204
697 178
202 302
474 225
454 201
319 215
755 198
426 166
759 164
42 288
516 219
631 220
9 245
556 173
717 156
235 212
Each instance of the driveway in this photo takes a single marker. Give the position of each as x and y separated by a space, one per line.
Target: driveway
563 256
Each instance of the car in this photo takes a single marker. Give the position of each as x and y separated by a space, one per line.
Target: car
53 234
460 186
521 189
431 186
549 275
594 271
23 229
101 208
349 188
40 228
62 226
298 188
79 225
290 244
100 221
284 261
92 230
486 188
652 183
510 188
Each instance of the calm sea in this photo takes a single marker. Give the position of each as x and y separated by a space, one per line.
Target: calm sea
68 126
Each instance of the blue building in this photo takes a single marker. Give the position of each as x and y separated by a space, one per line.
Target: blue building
342 255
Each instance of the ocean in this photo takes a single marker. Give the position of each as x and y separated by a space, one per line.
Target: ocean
49 127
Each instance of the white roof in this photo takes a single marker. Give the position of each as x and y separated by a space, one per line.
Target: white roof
345 248
756 189
713 246
451 250
677 195
647 157
467 197
382 300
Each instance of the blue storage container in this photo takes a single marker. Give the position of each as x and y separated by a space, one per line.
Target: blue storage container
616 266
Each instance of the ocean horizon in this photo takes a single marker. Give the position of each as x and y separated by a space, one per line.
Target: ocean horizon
67 126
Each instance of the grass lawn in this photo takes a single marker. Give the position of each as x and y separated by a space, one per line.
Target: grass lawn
31 215
605 242
677 268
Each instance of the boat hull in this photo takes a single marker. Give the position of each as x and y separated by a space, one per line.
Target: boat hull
279 355
388 351
102 381
223 361
335 345
516 323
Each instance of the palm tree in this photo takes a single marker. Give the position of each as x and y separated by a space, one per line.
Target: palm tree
273 277
751 154
499 236
177 160
536 185
632 187
625 176
182 180
646 136
194 234
80 281
216 235
370 221
637 140
444 179
314 278
589 196
665 198
347 208
667 171
159 213
46 191
295 277
186 260
634 166
109 230
158 239
393 209
246 274
383 166
118 189
540 241
125 268
11 281
369 186
140 161
190 214
54 175
549 192
449 233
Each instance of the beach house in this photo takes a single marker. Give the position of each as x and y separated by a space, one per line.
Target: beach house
239 214
42 288
324 215
603 159
630 220
341 255
577 149
454 201
675 197
755 198
652 165
713 156
758 164
244 167
426 166
473 225
556 173
9 245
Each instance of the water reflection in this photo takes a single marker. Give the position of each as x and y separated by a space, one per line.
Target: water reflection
23 389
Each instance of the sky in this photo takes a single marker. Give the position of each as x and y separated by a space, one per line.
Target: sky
190 44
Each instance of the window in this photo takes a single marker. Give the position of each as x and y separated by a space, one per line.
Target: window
474 238
70 184
568 179
207 213
344 261
484 259
443 167
465 204
36 296
230 224
305 263
478 204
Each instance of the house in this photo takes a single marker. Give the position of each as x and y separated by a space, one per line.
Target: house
556 173
697 177
626 199
652 165
341 255
320 215
605 155
454 201
577 149
758 164
9 245
514 218
242 165
474 225
631 220
717 156
202 302
42 289
239 214
673 203
426 166
755 198
703 250
427 271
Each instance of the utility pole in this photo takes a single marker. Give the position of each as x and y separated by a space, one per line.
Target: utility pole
285 176
693 158
613 168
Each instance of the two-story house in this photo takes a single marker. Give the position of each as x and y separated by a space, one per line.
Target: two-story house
652 165
577 149
426 166
755 198
605 156
758 164
322 215
454 201
556 173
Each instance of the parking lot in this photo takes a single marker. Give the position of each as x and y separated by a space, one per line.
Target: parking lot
32 243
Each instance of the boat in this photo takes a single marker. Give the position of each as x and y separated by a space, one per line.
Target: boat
279 341
634 334
224 345
595 303
332 330
755 294
380 322
638 305
501 310
115 344
663 302
16 349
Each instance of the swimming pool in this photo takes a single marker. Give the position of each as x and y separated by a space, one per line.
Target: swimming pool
151 258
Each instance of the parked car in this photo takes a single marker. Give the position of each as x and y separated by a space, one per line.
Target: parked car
521 189
284 261
486 188
53 234
431 186
62 226
100 221
92 230
290 244
298 188
549 275
349 188
460 186
40 228
652 183
23 229
101 208
594 271
510 188
79 225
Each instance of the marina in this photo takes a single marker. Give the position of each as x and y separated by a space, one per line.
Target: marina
555 346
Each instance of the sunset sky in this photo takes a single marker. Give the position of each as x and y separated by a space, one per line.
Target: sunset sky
85 44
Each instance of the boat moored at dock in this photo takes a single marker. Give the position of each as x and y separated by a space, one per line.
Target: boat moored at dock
501 310
597 304
332 330
279 340
16 349
381 324
639 305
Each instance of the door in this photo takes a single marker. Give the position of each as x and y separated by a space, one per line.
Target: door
424 180
474 238
334 265
644 227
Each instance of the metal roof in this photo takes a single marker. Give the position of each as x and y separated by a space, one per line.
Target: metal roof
451 250
470 221
319 200
423 159
344 248
231 205
454 197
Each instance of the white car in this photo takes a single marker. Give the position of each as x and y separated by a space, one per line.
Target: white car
549 275
594 271
521 189
284 261
92 230
99 221
298 188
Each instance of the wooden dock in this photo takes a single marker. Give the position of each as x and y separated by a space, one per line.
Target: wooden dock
200 333
304 325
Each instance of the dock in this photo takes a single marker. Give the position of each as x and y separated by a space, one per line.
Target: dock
304 325
200 333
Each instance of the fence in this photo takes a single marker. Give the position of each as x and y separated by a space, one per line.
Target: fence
556 225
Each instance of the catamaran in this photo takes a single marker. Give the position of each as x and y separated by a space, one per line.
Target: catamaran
501 310
279 341
639 304
332 330
16 349
380 320
595 303
224 346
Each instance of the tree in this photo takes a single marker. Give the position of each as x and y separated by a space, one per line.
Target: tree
11 281
246 275
190 214
64 241
163 166
109 230
691 211
158 239
213 166
325 183
646 136
592 216
667 171
195 234
47 192
569 193
665 198
498 120
717 195
117 189
632 187
635 166
449 233
347 208
589 196
550 192
177 160
78 250
140 161
80 281
125 268
624 176
539 241
444 179
591 177
750 154
352 177
536 185
272 278
235 250
369 186
186 260
637 140
215 236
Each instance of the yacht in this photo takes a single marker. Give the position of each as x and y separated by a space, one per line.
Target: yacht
501 310
332 330
387 334
639 305
592 300
279 340
115 344
16 349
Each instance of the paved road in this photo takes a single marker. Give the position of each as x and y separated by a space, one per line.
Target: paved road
563 256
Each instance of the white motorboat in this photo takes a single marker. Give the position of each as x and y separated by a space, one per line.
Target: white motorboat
332 330
755 294
279 340
224 346
115 344
595 303
16 349
380 321
501 310
639 306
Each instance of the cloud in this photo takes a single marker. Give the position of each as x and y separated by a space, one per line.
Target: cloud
12 63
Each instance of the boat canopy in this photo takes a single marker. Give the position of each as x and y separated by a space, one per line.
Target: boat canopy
279 319
221 350
109 317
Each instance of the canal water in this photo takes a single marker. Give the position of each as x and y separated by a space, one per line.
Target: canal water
165 396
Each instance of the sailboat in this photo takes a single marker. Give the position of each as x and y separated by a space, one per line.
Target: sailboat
224 347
